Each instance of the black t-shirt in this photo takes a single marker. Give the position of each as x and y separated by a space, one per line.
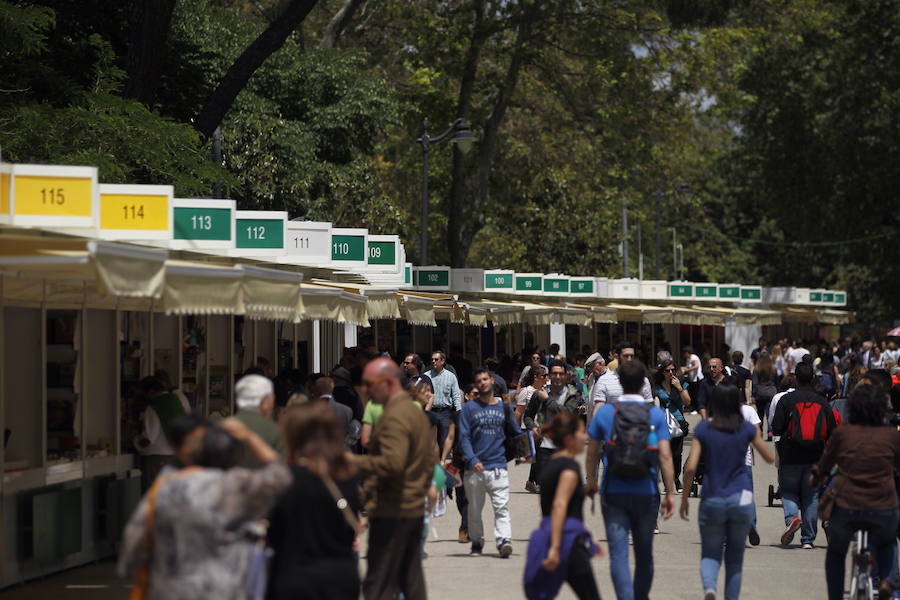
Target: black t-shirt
739 379
306 527
550 479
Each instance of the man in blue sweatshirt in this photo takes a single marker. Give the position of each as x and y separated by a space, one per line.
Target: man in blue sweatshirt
483 427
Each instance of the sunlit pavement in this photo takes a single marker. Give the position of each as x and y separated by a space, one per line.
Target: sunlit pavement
770 571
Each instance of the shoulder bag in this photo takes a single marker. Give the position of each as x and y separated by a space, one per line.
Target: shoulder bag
142 577
338 497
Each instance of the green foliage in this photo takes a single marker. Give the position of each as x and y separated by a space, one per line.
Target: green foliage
764 132
57 115
302 135
22 28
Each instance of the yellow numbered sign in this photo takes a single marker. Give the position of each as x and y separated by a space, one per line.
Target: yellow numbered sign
4 193
134 211
41 195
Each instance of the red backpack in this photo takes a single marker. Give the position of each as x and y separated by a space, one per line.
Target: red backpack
810 423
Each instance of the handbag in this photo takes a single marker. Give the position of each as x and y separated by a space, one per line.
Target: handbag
142 577
675 430
827 499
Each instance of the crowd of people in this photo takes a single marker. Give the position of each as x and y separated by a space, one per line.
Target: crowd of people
272 502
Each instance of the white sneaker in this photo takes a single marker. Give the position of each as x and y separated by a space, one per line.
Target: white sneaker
808 546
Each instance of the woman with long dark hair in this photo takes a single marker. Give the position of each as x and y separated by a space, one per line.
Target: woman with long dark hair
313 525
764 387
866 453
726 508
561 548
673 395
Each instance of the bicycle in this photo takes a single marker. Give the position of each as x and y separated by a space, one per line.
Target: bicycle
861 585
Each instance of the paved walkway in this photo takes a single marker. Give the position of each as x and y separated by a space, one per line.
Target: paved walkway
770 571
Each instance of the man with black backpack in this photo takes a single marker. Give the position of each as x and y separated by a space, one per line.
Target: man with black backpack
804 421
635 437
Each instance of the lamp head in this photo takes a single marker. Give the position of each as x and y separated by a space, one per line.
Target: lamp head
462 136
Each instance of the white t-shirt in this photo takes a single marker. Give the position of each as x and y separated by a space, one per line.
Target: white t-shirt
775 399
796 356
694 376
750 415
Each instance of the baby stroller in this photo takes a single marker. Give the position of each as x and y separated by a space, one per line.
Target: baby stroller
698 478
774 494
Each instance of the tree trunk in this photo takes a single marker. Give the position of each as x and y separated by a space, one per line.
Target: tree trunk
458 169
148 31
465 221
268 42
339 23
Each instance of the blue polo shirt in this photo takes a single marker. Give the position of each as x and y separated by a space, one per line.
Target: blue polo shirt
600 430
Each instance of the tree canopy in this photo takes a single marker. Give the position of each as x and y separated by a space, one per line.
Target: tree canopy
765 134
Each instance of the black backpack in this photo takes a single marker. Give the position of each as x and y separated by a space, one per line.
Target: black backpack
764 391
628 452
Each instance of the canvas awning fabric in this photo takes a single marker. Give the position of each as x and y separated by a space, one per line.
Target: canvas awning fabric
201 289
270 294
599 314
418 310
824 316
745 316
331 304
665 315
118 270
498 313
381 303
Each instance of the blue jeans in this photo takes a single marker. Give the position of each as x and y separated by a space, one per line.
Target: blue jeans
882 528
723 518
635 514
799 498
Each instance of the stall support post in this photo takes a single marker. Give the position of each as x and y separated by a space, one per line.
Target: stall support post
230 381
350 335
151 345
2 403
653 343
44 374
558 336
317 346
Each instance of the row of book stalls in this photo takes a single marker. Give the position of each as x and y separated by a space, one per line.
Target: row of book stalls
102 285
84 320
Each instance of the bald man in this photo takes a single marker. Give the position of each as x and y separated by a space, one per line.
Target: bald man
397 473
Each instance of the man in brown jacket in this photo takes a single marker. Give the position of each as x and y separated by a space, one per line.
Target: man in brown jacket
397 472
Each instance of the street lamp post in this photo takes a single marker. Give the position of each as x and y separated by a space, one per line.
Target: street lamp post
459 134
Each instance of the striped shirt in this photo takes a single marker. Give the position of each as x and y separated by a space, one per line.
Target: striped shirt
446 390
608 389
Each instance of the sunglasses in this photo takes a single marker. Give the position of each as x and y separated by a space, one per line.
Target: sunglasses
376 381
407 362
670 370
